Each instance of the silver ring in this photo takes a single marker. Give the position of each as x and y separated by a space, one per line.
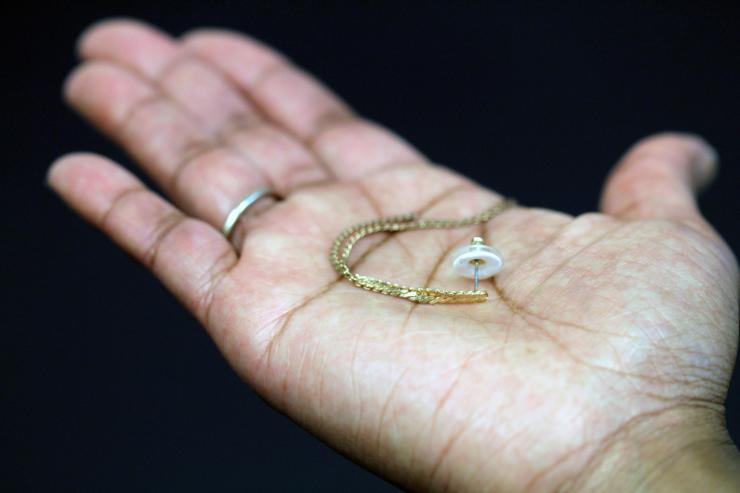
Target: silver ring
241 208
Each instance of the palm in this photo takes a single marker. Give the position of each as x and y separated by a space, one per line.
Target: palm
595 322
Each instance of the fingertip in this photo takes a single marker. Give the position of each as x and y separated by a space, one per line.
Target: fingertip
208 34
85 170
60 168
99 29
104 93
221 38
706 165
71 84
659 176
131 42
87 181
230 48
205 32
65 167
702 158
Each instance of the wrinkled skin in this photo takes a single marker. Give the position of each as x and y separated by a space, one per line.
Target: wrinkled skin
604 350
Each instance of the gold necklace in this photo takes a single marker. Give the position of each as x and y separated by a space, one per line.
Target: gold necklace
343 244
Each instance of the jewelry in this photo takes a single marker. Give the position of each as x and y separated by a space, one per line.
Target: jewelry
242 207
475 261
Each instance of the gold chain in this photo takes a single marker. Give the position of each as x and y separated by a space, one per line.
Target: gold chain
347 239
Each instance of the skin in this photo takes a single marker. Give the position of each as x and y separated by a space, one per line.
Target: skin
600 362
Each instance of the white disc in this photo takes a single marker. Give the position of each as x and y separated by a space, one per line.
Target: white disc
490 261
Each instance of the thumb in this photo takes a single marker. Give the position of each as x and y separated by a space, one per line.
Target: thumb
659 177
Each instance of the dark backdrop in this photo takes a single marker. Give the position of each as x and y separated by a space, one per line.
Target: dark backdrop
108 385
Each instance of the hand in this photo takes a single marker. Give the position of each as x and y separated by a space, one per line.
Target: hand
601 360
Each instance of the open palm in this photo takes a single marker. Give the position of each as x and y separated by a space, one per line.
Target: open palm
603 334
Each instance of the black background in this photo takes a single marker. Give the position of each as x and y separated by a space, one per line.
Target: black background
108 385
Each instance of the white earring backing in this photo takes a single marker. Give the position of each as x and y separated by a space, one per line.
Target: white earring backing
477 261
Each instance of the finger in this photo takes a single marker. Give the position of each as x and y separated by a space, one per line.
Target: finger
203 177
158 58
193 113
658 179
350 146
205 95
188 256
